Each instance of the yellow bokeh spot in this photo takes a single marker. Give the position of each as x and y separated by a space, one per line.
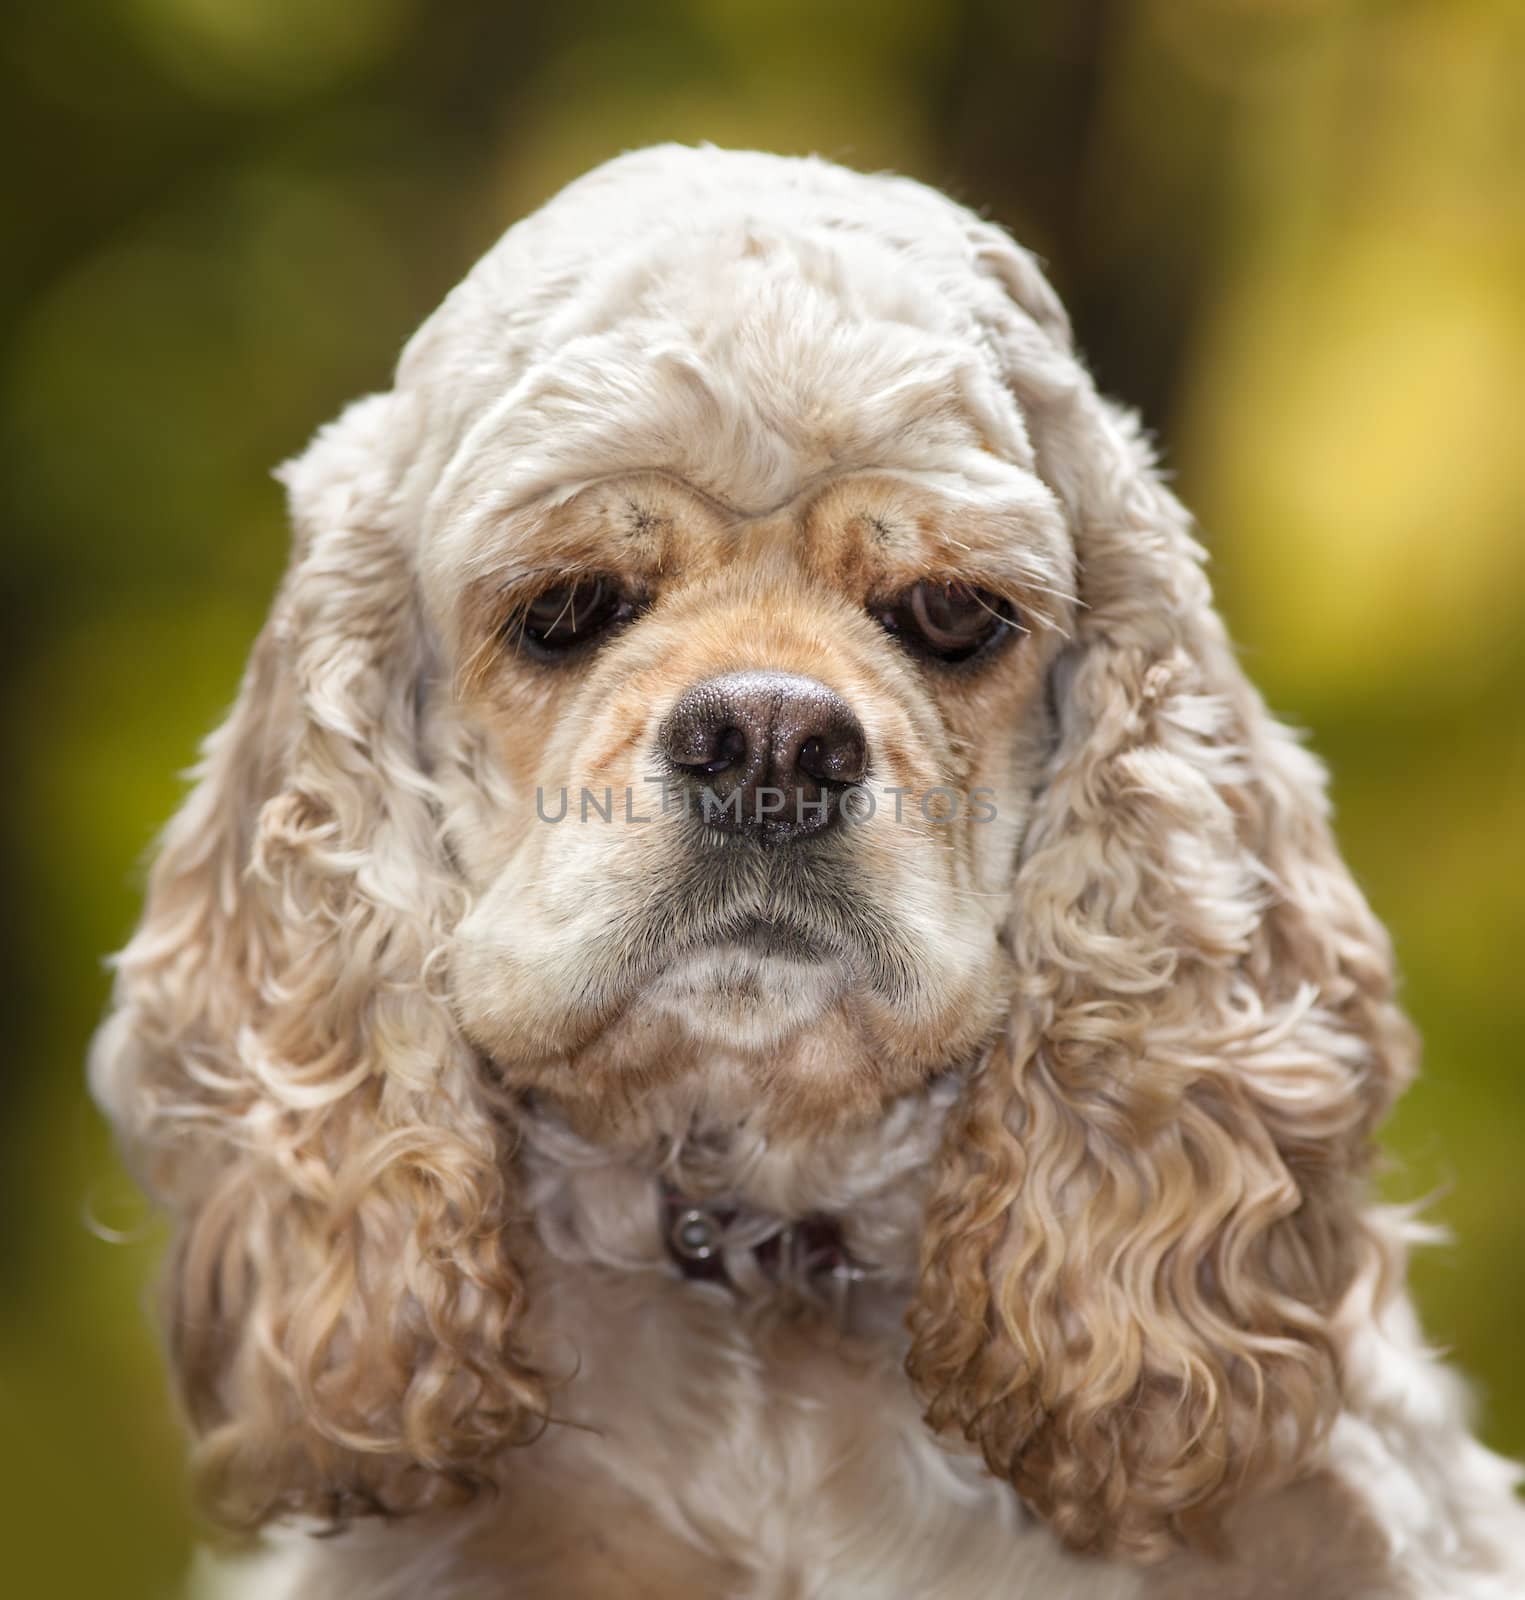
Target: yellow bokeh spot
238 50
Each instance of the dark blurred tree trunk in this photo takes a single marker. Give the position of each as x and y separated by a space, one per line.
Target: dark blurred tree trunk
1035 131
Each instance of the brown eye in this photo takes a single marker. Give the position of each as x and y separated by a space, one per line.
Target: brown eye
561 619
950 622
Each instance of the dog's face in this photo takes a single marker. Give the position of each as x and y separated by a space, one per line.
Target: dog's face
760 479
766 726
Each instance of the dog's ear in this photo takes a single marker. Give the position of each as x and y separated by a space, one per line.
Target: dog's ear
1148 1204
284 1074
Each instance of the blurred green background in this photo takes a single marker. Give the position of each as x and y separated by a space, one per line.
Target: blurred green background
1291 231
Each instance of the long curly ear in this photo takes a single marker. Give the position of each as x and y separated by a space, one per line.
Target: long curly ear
285 1077
1149 1201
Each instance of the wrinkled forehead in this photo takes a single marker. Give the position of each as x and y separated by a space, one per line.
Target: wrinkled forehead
755 363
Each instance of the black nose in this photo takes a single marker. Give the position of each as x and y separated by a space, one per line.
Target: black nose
766 754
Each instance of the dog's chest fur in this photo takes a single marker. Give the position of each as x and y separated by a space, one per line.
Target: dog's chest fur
746 1435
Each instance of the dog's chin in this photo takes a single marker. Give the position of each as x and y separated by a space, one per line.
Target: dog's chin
748 995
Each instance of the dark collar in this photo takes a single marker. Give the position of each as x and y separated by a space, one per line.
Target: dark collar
709 1239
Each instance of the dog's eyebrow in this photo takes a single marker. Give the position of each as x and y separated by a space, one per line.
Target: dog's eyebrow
642 515
553 496
803 494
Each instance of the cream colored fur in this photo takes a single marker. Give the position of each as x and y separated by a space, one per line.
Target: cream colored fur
1090 1089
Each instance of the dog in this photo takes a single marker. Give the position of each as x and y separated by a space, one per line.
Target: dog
748 1002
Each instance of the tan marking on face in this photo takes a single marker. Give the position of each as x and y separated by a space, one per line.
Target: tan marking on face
789 591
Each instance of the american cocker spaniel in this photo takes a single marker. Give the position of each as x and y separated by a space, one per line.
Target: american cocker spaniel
748 1002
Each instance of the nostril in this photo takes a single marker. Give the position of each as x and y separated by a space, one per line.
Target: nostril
730 750
840 758
812 759
698 737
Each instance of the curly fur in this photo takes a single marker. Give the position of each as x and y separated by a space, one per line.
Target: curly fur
1096 1108
291 1081
1203 1039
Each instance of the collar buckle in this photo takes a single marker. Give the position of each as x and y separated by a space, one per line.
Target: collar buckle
700 1234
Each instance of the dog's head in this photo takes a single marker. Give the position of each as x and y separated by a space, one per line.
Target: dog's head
742 663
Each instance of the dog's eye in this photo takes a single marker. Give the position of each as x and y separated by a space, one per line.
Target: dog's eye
951 622
559 620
